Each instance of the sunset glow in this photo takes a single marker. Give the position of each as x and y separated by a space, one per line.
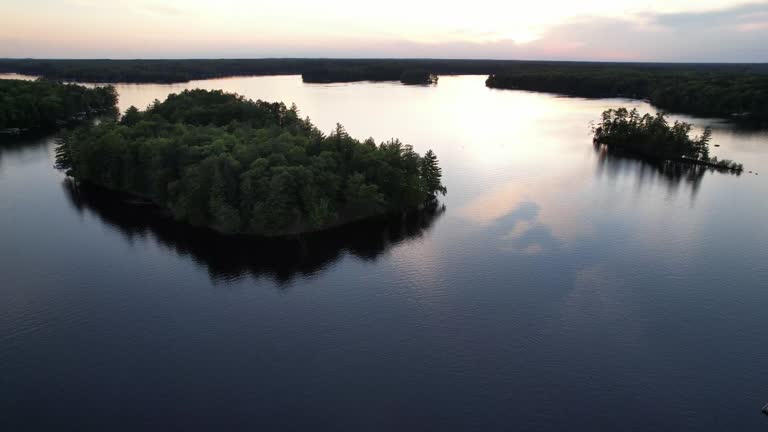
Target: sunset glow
720 30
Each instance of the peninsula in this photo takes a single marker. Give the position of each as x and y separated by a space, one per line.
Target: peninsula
46 105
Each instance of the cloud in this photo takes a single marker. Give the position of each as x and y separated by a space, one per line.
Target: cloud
713 19
736 34
732 34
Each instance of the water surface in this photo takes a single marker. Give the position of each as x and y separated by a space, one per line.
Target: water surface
558 288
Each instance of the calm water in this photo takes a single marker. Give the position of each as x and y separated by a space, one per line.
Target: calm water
558 288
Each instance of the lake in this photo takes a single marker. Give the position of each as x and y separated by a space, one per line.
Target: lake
555 288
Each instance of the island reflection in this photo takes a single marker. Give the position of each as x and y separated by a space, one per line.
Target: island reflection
669 173
232 257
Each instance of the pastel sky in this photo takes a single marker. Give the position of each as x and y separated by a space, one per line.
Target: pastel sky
638 30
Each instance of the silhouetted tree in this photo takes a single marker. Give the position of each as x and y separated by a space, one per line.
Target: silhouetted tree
432 174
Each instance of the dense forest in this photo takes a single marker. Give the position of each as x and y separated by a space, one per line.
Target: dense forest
242 167
45 104
418 76
652 136
734 91
708 89
313 70
335 70
386 71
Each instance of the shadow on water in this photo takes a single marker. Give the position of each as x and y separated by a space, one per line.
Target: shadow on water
670 173
228 257
13 145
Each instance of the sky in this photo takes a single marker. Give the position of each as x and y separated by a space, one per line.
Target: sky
639 30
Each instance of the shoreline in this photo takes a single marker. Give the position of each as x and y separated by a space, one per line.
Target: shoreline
147 204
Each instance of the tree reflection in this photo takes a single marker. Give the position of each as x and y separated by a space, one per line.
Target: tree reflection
671 174
13 145
228 258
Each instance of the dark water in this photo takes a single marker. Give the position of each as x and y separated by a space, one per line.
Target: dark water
557 289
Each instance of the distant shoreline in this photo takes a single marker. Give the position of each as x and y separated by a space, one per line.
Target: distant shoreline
184 70
734 91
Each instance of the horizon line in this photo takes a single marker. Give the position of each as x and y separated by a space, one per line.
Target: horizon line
379 58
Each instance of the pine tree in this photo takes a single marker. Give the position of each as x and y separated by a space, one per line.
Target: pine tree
702 144
432 174
132 116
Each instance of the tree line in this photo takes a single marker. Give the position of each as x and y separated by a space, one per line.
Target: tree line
721 90
45 104
389 71
418 76
728 91
314 70
219 160
652 136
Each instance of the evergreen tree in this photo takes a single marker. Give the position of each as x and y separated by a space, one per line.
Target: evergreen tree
652 136
215 159
45 104
432 175
131 116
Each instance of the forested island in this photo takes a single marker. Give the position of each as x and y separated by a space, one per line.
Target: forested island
217 160
41 104
387 71
728 91
418 77
651 136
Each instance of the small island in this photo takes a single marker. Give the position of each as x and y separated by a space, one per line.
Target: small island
47 105
218 160
418 77
651 136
